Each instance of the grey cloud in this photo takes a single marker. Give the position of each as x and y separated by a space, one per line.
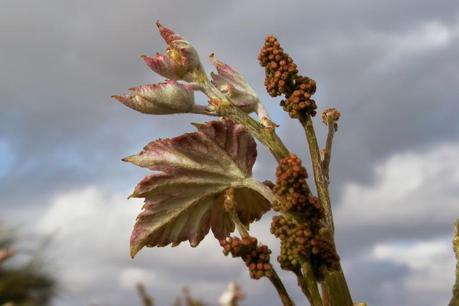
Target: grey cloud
57 95
61 62
101 222
383 278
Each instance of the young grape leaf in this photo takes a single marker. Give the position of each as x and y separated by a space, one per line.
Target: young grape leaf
184 200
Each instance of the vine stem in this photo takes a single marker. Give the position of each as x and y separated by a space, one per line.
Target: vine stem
325 295
201 110
302 283
231 210
335 282
315 298
306 280
280 288
223 107
455 299
319 178
332 126
265 134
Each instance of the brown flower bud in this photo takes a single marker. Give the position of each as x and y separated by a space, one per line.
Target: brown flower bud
280 70
330 114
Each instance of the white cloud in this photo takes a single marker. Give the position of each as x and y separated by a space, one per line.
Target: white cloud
90 250
399 228
416 255
411 190
129 277
431 264
391 48
88 226
427 37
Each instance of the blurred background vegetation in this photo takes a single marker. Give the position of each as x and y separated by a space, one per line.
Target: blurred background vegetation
23 279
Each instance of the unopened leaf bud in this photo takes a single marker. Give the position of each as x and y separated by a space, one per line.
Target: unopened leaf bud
181 60
164 98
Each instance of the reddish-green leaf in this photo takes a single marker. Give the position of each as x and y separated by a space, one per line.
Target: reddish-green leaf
184 200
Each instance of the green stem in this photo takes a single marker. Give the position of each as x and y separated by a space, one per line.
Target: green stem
230 208
325 295
268 137
336 285
225 108
264 134
455 299
335 282
328 148
308 286
319 178
280 288
306 281
315 299
302 283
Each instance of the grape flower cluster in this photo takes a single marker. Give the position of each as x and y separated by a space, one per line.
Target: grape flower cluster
292 188
305 240
280 69
299 101
282 78
256 256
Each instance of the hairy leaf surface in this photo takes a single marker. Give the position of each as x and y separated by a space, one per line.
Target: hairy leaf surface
229 81
184 200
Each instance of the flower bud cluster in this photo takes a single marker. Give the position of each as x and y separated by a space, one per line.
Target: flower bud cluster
300 100
256 256
324 256
303 240
331 114
292 188
295 240
281 77
279 67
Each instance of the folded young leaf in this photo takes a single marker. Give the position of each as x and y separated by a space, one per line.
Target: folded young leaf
181 60
169 97
233 84
185 199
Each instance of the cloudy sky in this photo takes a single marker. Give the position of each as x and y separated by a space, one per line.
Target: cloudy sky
390 67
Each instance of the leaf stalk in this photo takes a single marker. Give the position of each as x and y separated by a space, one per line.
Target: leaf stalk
455 298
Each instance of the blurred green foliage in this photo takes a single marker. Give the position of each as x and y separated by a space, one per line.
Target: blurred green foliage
22 282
